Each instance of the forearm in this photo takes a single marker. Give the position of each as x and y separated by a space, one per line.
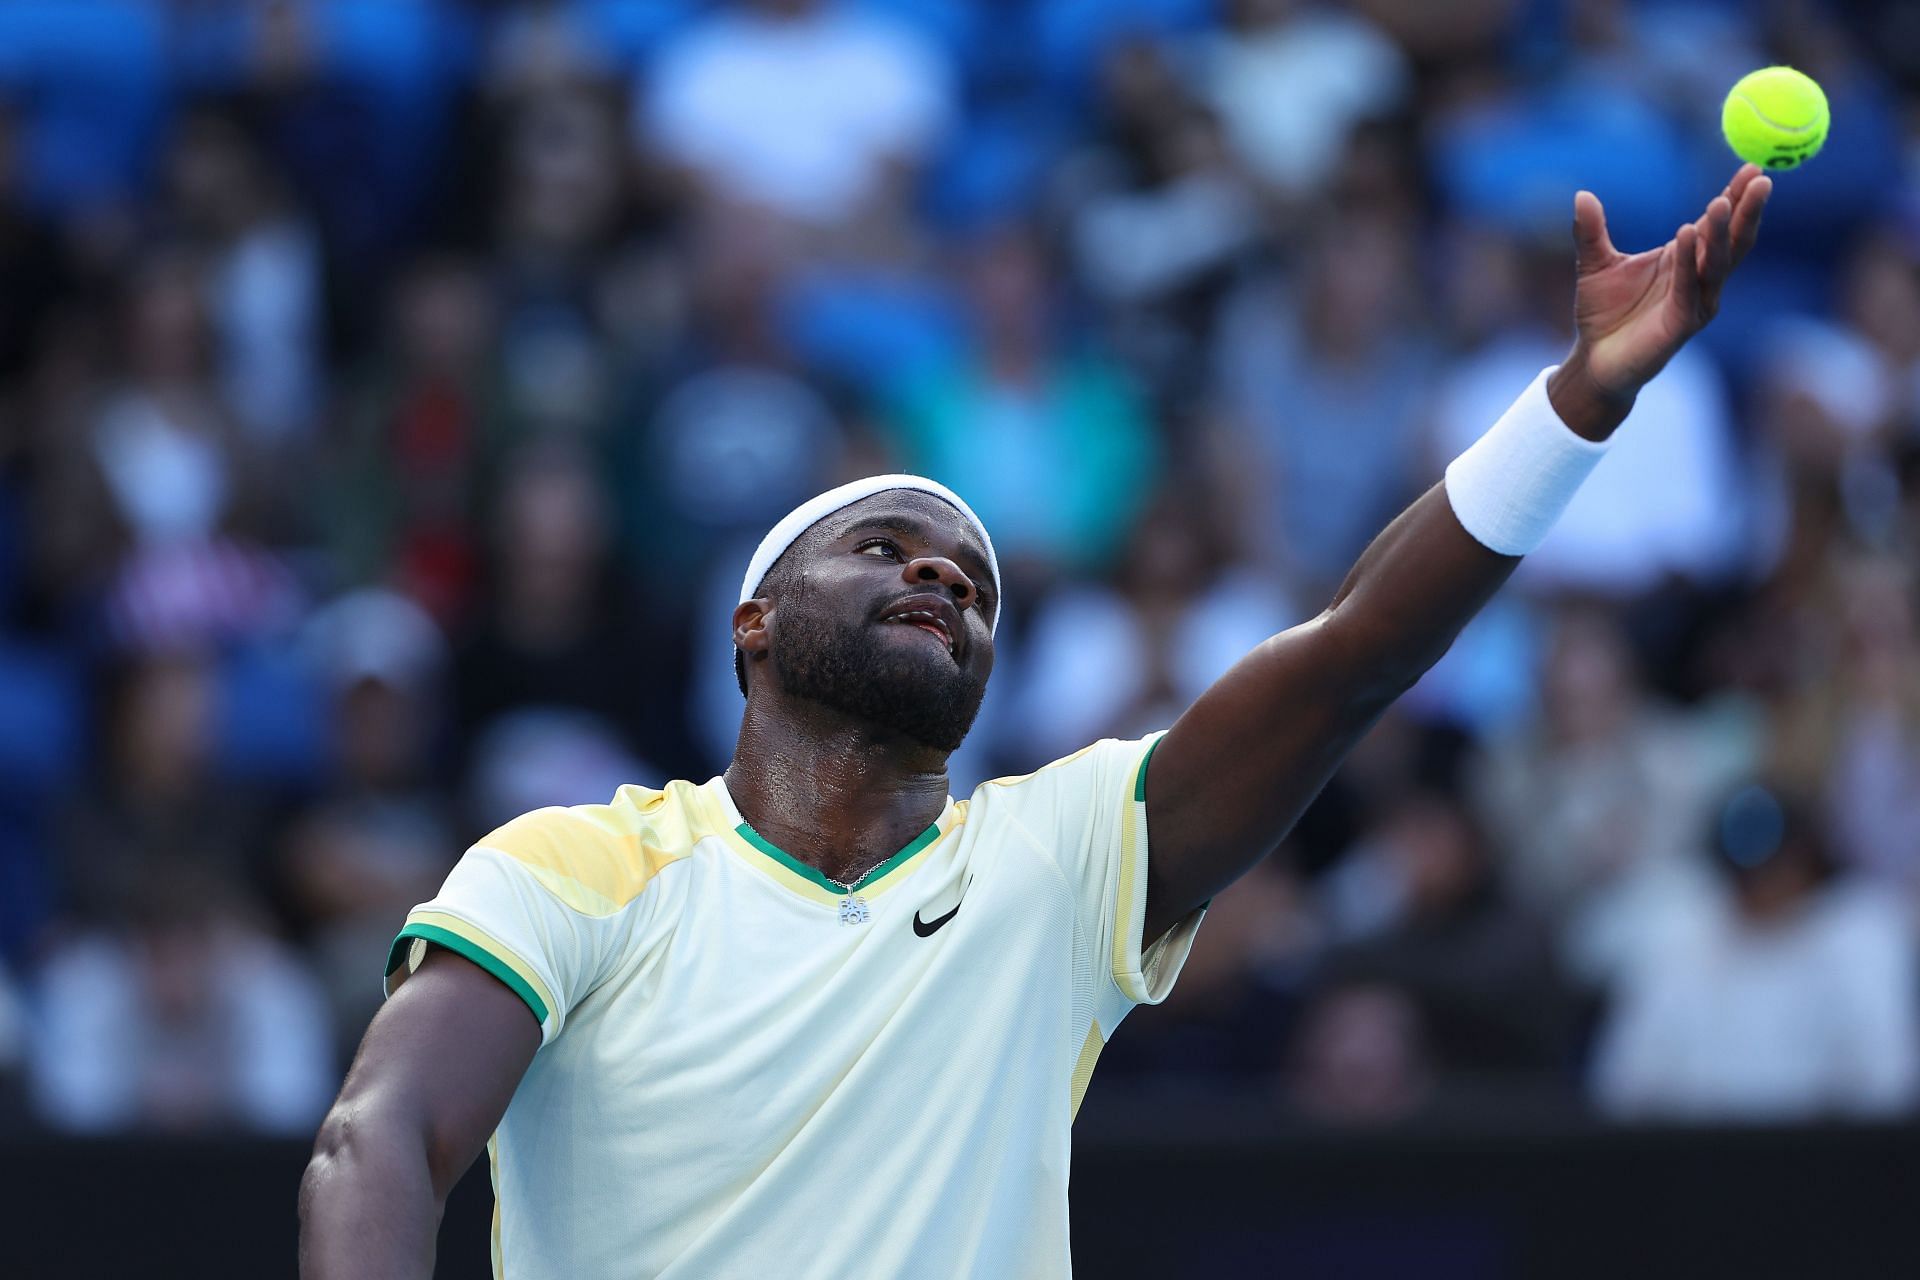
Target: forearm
368 1206
1434 567
1246 759
1408 596
1237 770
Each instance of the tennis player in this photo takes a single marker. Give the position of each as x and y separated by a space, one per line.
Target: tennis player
816 1018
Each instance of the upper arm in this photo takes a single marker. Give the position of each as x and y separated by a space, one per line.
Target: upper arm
441 1061
1244 760
1237 769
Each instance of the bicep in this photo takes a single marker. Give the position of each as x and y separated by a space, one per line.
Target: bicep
442 1058
1245 759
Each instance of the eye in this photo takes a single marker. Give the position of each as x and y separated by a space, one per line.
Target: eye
892 552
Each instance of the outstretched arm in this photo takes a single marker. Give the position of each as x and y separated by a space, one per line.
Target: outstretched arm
1237 769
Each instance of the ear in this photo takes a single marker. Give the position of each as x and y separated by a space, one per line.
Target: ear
750 625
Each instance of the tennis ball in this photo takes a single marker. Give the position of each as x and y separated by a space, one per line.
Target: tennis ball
1776 117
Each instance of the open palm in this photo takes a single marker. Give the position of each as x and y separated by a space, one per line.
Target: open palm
1633 311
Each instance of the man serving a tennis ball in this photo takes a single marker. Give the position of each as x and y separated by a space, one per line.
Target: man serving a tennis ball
814 1017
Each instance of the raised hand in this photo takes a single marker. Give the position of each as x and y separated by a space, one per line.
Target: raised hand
1633 311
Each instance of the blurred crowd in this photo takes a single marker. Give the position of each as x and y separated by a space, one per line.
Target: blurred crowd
392 390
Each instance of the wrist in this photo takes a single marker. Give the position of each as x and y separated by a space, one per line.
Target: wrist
1588 408
1510 487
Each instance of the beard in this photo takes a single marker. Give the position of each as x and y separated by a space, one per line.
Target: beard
845 666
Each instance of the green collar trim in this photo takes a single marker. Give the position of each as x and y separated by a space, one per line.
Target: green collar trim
812 874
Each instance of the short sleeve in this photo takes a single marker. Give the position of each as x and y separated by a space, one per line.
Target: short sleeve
1090 809
539 904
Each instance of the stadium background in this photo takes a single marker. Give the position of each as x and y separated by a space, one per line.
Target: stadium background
390 391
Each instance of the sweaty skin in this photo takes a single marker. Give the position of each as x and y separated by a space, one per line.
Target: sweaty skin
442 1058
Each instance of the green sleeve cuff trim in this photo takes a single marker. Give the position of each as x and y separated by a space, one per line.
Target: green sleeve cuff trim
472 951
1140 779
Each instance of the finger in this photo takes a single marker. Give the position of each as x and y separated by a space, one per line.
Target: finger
1703 232
1742 178
1592 249
1745 226
1686 272
1715 256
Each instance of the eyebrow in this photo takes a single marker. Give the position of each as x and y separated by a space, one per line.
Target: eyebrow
914 527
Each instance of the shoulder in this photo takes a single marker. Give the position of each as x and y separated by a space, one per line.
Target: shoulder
600 857
1109 765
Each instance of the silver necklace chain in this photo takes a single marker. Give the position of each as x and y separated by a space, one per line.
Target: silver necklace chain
853 907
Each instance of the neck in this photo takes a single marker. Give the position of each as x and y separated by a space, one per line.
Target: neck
836 794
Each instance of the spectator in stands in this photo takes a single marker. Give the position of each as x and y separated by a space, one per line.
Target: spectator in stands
158 462
1048 438
417 432
558 624
154 804
1361 1057
561 208
1478 967
1850 732
1325 376
1160 219
1790 998
814 110
262 285
1291 80
187 1017
380 834
1122 655
1597 800
162 1001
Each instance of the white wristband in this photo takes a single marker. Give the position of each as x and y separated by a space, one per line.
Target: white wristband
1513 482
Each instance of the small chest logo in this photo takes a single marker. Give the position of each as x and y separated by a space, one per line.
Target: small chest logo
927 928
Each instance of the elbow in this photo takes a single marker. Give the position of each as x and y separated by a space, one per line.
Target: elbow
1380 663
364 1138
331 1150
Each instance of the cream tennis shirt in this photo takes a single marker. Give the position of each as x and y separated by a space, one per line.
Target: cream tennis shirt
746 1071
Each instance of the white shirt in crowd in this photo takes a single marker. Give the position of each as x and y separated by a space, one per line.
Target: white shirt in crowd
800 113
1806 1017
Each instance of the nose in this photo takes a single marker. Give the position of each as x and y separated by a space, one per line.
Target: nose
925 569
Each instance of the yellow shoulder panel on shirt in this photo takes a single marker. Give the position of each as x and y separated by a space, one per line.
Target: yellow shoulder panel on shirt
597 858
1017 779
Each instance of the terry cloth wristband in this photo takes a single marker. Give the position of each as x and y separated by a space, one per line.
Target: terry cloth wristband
1509 487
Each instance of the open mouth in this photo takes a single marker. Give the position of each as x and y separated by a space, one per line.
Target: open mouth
931 623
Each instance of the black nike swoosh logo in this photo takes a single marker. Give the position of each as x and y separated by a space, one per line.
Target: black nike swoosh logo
927 928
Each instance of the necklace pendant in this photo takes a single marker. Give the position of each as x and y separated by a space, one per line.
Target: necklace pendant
853 910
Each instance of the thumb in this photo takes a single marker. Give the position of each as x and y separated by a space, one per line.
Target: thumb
1592 249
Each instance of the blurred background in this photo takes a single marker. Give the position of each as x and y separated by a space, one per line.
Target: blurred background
392 390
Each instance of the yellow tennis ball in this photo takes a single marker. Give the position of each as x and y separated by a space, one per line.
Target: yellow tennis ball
1776 117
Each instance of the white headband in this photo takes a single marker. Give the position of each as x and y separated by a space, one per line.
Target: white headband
816 509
